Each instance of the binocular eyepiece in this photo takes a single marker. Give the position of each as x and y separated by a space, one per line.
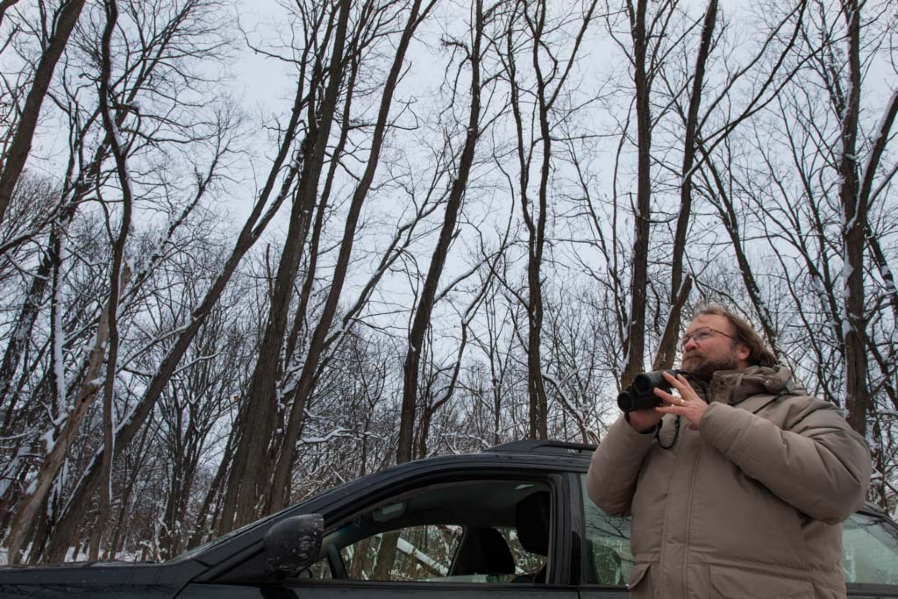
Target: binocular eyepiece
640 394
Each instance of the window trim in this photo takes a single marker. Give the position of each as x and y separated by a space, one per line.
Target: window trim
558 566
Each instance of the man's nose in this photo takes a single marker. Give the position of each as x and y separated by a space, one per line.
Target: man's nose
690 343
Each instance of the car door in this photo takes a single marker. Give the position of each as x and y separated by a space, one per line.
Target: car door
475 533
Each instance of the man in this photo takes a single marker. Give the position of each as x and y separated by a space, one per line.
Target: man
747 497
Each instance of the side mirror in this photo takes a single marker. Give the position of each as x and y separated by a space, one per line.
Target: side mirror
293 544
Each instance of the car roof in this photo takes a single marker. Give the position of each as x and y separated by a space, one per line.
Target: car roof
543 446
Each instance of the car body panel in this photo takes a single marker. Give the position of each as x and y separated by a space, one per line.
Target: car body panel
383 590
98 580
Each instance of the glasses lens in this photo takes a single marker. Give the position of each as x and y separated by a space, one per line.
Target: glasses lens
698 336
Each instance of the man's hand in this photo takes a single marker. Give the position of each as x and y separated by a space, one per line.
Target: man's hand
642 421
688 404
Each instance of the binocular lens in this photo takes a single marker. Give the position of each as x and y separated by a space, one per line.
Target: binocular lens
625 401
643 384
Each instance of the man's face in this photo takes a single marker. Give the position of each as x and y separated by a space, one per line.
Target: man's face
710 347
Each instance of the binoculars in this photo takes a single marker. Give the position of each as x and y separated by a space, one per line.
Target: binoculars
640 394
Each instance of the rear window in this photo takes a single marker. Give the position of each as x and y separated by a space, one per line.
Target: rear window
869 550
607 559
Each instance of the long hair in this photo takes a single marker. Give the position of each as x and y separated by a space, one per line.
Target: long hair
760 355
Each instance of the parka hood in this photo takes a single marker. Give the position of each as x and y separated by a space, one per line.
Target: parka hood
734 386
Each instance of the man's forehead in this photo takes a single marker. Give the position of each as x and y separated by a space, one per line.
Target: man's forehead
721 323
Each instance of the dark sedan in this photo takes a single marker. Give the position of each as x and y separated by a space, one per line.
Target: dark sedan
512 521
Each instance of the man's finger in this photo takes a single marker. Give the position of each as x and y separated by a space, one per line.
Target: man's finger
665 396
679 382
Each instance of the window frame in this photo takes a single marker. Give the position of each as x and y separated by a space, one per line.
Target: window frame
558 572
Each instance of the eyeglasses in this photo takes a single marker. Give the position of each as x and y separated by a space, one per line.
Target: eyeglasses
701 335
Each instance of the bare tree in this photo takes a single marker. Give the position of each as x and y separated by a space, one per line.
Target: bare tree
258 421
531 26
855 197
643 76
678 286
421 320
14 157
185 17
246 504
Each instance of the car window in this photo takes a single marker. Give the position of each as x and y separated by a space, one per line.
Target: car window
607 559
869 550
869 546
471 532
412 553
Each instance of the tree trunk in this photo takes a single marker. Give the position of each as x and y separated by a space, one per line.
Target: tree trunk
26 318
635 341
248 483
117 275
17 154
307 379
421 320
386 555
854 210
29 509
669 338
729 219
667 351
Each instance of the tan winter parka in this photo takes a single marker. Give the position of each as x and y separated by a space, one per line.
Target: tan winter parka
749 505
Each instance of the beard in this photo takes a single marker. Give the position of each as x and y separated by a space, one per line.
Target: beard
703 367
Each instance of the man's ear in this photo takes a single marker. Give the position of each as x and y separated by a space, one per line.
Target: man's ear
742 352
